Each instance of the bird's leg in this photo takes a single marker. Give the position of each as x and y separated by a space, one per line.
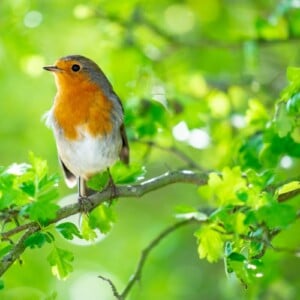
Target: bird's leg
111 184
84 193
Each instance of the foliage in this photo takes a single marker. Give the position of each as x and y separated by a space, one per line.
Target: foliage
205 91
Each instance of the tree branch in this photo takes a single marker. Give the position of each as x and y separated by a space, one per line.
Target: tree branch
136 190
17 250
145 253
133 191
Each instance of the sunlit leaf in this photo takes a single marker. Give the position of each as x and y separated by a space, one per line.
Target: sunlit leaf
102 217
38 239
86 231
4 250
288 187
60 261
127 174
277 215
98 181
211 243
227 186
283 121
68 230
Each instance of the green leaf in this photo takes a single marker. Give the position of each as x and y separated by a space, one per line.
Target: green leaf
256 115
86 231
98 181
245 270
1 284
288 187
4 250
127 174
211 243
293 74
68 230
249 151
227 186
102 217
60 261
283 121
39 166
38 239
41 211
293 104
232 219
152 117
277 215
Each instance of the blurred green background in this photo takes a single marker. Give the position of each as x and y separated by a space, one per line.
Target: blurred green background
179 50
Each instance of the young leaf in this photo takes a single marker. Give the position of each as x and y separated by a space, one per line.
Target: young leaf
41 210
288 187
211 243
4 250
127 174
245 270
102 217
277 214
283 122
228 186
98 181
86 231
68 230
38 239
60 261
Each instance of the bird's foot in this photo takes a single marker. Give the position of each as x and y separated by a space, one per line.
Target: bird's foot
84 204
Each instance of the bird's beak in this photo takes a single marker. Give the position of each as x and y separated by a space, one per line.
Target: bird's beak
52 68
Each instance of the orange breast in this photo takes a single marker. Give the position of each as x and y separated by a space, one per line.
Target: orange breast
84 104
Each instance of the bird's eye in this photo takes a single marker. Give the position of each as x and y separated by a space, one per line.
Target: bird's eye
75 68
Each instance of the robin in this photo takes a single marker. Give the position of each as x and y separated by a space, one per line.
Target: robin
87 118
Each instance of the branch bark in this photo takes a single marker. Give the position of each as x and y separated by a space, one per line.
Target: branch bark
134 191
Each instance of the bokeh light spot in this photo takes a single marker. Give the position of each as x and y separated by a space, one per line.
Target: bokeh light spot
33 19
286 162
181 131
82 11
179 18
33 65
199 138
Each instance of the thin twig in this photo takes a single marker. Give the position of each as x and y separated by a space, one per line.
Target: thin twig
113 287
144 255
5 235
17 250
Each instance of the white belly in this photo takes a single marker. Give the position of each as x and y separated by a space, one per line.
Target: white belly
89 155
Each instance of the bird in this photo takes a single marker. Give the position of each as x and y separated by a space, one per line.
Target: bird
87 119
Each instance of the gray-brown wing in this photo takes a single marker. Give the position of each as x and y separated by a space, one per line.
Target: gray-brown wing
70 178
124 153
